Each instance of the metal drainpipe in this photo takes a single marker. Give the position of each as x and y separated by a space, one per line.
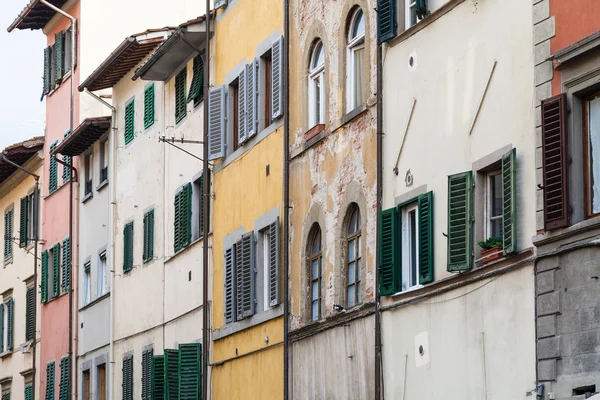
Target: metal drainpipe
111 229
378 366
71 123
286 195
206 203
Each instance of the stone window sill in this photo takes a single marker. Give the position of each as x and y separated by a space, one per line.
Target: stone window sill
87 197
96 301
256 319
564 233
102 184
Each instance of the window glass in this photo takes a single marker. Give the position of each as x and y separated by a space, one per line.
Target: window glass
353 293
593 151
495 205
315 274
410 246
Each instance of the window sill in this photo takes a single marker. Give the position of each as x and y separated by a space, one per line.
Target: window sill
55 191
314 140
96 301
55 298
351 116
410 289
168 260
565 233
314 131
87 197
6 354
247 323
8 261
102 184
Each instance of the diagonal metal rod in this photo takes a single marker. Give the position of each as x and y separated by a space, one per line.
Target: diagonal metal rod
183 141
72 168
185 151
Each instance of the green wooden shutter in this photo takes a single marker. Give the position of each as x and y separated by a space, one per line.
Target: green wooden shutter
390 245
509 202
426 238
187 215
149 106
190 371
460 227
29 392
245 276
29 320
127 378
56 269
59 56
23 222
47 67
67 159
129 122
158 377
6 395
66 265
65 371
128 247
178 215
53 178
8 234
171 374
386 19
421 8
197 87
149 236
10 323
50 379
229 262
147 374
180 103
1 327
44 279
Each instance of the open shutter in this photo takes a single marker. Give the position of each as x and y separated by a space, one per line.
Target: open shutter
421 8
242 105
44 279
554 159
177 222
158 377
251 99
180 103
127 384
509 202
426 238
229 262
274 263
277 78
201 212
56 270
59 56
149 235
67 160
29 320
171 374
149 106
147 374
187 215
190 371
63 392
245 275
23 223
216 122
128 247
53 179
460 244
129 122
47 69
66 265
2 325
197 86
386 20
10 322
389 270
50 380
28 392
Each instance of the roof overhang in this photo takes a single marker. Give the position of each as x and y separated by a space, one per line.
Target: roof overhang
35 15
123 59
19 154
84 136
187 40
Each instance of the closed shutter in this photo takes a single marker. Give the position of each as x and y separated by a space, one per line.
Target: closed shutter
190 371
6 395
180 103
59 56
129 122
201 216
128 247
66 265
426 238
460 244
128 378
29 320
1 326
242 105
50 380
10 323
386 20
177 222
53 179
67 160
8 234
149 106
554 159
421 8
48 85
63 391
44 279
274 263
245 276
216 122
277 78
171 374
389 236
251 99
158 377
509 202
229 262
56 270
23 222
197 86
149 236
147 374
28 392
187 215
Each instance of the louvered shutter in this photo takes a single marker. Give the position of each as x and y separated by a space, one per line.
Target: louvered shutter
252 99
64 379
67 160
201 216
245 276
171 374
147 374
216 122
149 106
389 270
197 86
128 247
66 265
23 222
190 371
28 392
148 236
59 56
50 380
177 234
386 19
421 8
426 238
230 312
180 103
460 244
274 263
509 202
10 322
44 279
277 78
56 270
187 215
8 225
1 326
53 179
6 395
242 105
47 69
129 122
158 377
127 378
555 158
29 320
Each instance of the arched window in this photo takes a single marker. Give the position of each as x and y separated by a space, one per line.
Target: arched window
316 86
353 257
355 64
315 266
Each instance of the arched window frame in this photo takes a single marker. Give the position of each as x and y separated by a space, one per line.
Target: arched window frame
353 259
355 60
316 85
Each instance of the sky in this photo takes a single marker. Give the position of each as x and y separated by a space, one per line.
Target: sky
22 113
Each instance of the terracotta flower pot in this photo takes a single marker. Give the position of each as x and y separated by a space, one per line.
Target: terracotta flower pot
492 254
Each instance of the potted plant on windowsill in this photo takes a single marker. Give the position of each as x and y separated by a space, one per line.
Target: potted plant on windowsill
491 249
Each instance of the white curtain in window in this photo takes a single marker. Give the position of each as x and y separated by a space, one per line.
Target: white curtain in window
594 150
359 86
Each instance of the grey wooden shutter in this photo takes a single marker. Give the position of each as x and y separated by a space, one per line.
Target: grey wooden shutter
242 105
229 283
426 238
216 122
245 275
460 222
273 263
509 202
252 99
277 78
59 56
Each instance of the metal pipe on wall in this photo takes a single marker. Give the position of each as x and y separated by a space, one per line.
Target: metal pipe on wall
378 360
286 195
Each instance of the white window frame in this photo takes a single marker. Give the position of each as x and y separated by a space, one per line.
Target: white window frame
354 44
488 203
4 322
316 73
102 274
411 6
406 246
87 284
266 249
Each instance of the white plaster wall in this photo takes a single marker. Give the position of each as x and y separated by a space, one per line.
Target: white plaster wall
94 327
454 57
453 366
